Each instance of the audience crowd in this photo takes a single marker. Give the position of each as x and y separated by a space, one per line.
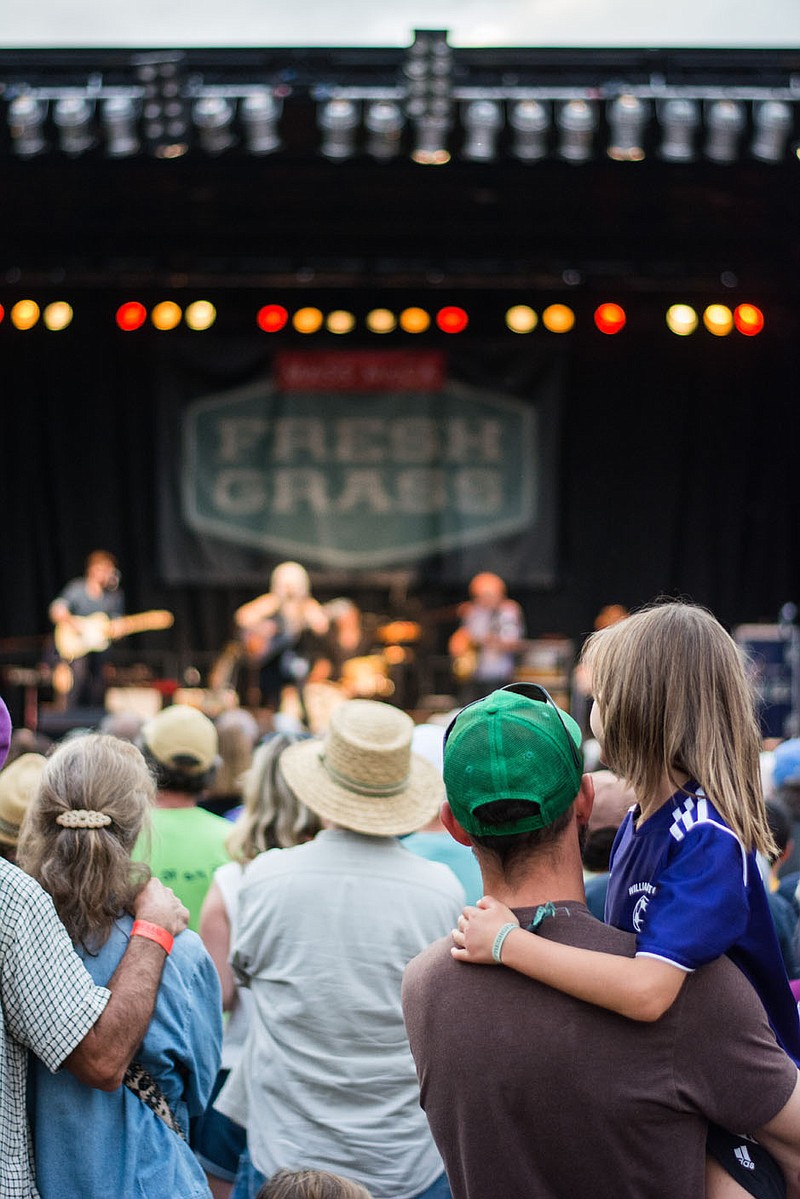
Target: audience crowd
207 933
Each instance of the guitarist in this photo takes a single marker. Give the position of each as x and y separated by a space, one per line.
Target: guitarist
483 648
279 631
96 591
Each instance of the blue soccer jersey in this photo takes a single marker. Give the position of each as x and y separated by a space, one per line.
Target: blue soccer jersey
685 885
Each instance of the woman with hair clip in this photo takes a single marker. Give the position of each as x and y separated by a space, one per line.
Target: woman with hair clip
93 800
273 818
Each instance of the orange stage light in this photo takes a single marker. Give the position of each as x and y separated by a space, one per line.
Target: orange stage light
718 319
25 314
166 315
307 320
414 320
558 318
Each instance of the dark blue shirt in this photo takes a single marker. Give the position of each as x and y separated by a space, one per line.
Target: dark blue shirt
688 889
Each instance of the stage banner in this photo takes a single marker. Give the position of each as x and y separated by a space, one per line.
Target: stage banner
361 463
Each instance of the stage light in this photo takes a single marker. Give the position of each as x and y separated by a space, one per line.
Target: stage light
681 319
340 321
610 318
25 314
576 121
381 320
213 119
627 119
725 121
2 313
26 117
530 122
131 316
773 122
482 121
748 319
718 319
558 318
384 122
430 147
521 319
679 120
414 320
166 315
272 318
165 112
259 113
338 120
307 320
200 315
119 115
452 319
57 316
72 117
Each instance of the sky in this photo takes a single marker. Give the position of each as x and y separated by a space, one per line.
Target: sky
579 23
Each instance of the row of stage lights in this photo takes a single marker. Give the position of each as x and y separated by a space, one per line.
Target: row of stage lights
609 318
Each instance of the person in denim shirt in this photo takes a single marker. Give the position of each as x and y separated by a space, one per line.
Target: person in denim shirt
94 798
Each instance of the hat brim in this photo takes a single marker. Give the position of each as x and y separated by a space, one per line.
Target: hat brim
384 816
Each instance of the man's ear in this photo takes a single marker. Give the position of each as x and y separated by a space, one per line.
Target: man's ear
584 800
451 824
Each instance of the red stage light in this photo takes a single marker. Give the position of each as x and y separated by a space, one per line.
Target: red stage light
131 316
272 318
748 319
610 318
2 312
452 320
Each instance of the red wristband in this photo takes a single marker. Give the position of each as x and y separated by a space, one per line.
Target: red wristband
153 932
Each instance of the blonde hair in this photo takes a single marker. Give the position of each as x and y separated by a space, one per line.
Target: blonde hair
675 700
273 816
88 871
311 1184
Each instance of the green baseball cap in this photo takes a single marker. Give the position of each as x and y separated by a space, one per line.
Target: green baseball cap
513 744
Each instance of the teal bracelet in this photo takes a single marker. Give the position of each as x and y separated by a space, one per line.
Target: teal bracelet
499 941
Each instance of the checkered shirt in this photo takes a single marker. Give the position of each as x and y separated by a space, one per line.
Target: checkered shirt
49 1003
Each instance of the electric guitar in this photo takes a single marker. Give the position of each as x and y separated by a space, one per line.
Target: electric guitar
96 632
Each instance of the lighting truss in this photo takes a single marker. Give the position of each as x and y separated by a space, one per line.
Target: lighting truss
432 103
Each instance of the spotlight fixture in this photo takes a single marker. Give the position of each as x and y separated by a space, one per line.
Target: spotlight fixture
384 123
428 69
26 117
530 122
772 124
682 320
679 119
118 115
165 115
627 120
725 122
259 113
482 121
213 119
338 119
72 117
576 121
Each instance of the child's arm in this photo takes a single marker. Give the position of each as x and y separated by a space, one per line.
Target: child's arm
640 988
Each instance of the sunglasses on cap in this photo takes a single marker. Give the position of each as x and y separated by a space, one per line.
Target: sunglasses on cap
532 691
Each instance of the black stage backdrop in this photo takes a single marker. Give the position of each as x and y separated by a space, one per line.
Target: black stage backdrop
672 468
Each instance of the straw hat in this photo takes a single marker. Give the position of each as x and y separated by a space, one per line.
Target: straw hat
363 775
19 782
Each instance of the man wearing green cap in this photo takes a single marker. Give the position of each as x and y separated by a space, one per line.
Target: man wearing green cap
529 1091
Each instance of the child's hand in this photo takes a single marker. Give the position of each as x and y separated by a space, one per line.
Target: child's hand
477 929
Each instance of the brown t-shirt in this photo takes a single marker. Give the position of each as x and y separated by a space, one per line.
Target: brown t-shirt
531 1093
